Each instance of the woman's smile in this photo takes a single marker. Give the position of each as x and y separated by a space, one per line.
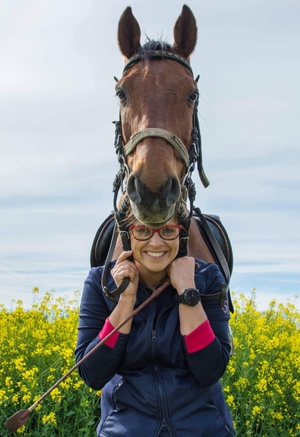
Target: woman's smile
155 254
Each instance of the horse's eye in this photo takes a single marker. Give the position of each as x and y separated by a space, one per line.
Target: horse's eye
121 95
193 97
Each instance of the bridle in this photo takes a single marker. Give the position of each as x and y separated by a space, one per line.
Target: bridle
190 158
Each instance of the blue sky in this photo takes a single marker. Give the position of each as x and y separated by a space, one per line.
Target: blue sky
57 159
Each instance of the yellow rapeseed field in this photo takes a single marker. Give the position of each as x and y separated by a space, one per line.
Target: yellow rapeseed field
261 384
262 381
37 348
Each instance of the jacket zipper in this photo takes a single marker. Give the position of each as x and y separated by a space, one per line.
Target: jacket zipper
157 375
158 378
116 388
164 425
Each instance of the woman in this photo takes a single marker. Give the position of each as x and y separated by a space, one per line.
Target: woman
160 372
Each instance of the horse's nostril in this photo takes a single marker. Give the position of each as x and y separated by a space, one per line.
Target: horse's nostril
173 191
132 190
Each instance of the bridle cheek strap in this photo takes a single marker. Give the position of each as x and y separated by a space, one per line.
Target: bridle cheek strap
178 145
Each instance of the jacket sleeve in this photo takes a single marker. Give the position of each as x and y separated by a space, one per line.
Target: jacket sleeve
209 363
103 364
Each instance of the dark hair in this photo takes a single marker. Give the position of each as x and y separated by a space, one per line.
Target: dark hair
145 50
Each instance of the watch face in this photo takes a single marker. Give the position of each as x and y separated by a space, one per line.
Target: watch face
192 296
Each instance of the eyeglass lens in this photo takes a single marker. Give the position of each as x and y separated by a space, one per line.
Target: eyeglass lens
166 232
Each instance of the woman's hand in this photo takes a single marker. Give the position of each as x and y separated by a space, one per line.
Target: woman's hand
182 273
182 276
126 269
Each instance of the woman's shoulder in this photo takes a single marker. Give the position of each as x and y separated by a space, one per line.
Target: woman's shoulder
95 272
93 285
209 271
204 265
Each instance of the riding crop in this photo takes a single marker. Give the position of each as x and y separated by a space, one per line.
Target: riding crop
20 418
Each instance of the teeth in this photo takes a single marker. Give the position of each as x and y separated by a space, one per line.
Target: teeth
155 254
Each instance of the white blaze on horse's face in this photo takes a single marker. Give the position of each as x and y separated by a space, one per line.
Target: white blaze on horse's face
156 94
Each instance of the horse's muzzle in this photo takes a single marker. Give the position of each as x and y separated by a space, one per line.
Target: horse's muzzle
153 207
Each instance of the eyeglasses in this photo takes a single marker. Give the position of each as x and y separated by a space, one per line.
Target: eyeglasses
143 233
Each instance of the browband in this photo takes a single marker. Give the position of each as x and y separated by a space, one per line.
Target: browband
160 54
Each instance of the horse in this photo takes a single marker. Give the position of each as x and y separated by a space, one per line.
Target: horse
158 96
157 139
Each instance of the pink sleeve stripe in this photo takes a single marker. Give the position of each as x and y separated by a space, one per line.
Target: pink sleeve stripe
107 328
199 338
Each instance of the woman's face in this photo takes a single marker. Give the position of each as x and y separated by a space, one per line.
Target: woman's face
155 254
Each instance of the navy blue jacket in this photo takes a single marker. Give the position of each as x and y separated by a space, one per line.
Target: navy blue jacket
150 382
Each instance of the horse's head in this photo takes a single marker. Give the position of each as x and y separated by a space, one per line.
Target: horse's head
157 95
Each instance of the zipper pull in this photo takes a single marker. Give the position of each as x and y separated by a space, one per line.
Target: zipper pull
164 425
153 336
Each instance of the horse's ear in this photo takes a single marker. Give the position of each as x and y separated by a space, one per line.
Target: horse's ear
185 33
129 34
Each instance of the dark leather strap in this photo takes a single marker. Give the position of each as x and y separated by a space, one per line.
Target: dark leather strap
215 245
158 54
221 295
217 253
112 294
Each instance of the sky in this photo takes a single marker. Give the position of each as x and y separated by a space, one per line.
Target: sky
57 159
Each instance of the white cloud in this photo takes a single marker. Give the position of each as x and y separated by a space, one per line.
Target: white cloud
58 162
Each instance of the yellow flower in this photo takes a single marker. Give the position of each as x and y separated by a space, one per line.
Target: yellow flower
21 430
15 399
78 384
50 418
262 385
26 398
230 400
277 415
256 410
8 381
56 395
20 364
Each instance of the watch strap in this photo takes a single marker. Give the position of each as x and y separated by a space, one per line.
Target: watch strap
182 298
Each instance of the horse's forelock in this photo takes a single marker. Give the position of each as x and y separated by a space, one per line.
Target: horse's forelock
150 45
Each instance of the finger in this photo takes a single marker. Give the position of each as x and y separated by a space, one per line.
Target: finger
124 256
124 270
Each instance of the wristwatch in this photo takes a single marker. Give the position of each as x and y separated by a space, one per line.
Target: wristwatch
190 297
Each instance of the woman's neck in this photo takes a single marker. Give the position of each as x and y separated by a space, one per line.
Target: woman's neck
149 278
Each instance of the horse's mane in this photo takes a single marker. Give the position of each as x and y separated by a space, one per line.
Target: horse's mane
145 50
